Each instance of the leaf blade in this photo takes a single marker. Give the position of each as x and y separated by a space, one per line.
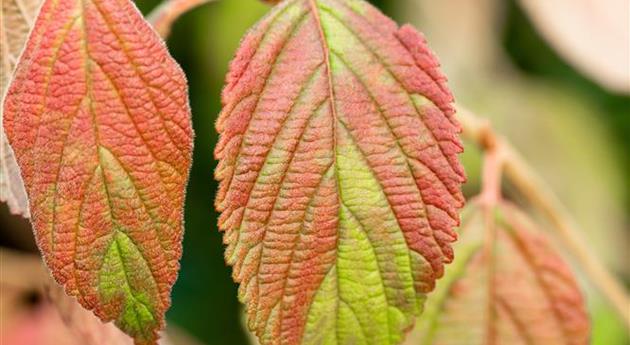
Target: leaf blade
534 297
99 120
305 135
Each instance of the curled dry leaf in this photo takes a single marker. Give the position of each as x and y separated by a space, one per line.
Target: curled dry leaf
56 318
340 183
98 117
82 324
15 23
592 35
523 294
87 329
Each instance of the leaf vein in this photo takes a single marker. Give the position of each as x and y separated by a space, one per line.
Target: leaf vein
125 50
395 77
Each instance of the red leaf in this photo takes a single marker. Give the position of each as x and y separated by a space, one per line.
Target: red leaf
524 293
98 117
338 167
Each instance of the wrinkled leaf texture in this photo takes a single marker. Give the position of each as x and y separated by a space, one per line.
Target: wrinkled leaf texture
339 177
15 23
98 117
523 294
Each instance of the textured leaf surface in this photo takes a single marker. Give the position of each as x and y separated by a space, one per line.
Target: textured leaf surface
340 183
523 294
98 118
16 21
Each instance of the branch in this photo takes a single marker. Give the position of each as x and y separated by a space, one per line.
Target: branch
540 196
163 16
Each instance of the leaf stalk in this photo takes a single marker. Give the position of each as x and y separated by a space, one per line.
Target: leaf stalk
165 14
540 196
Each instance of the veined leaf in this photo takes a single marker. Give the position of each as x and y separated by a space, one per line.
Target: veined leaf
98 118
523 294
16 20
340 183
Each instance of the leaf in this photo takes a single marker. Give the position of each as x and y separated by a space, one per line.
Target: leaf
82 324
15 24
271 2
592 35
98 118
523 294
340 183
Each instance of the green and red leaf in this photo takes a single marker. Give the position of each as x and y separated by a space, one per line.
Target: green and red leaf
340 183
98 117
524 293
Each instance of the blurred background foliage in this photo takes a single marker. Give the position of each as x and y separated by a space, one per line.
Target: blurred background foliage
571 127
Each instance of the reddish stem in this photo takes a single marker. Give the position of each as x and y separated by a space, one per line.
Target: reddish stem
163 16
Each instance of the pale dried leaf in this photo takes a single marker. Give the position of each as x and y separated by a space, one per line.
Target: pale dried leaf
82 323
15 23
592 35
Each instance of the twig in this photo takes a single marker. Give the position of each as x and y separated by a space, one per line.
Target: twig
163 16
26 272
493 163
540 196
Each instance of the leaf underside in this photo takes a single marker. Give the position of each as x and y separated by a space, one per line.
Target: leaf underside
15 23
523 294
339 177
98 117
